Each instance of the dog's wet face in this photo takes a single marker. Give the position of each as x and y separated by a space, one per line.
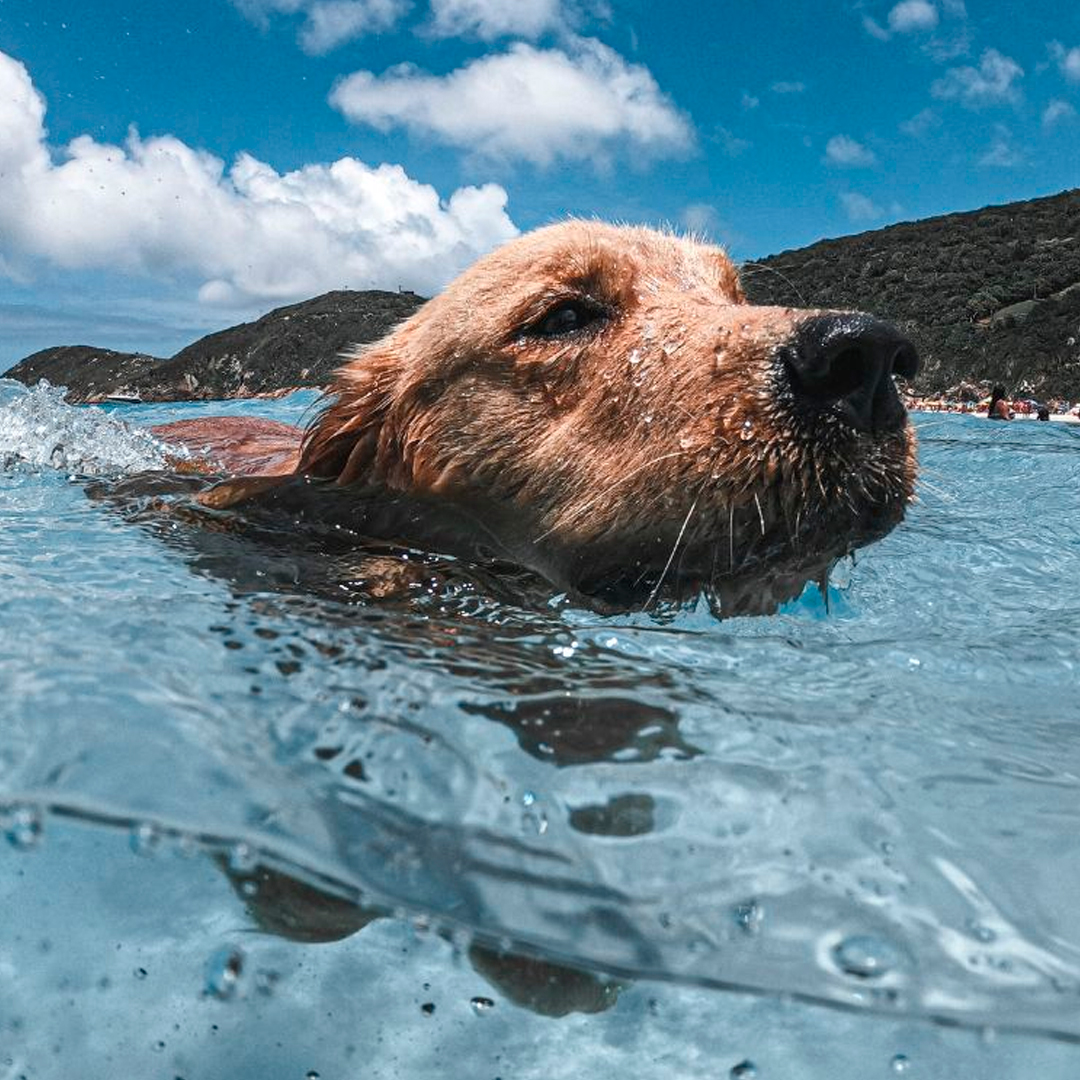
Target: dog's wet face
606 407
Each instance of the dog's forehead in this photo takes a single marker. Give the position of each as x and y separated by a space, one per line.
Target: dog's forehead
610 256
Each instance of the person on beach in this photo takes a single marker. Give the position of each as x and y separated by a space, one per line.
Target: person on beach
999 407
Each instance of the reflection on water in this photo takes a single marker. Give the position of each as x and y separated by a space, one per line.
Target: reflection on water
871 806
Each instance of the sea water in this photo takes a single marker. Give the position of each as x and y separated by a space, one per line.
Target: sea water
839 841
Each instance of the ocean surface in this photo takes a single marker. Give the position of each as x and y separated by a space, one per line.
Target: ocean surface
257 829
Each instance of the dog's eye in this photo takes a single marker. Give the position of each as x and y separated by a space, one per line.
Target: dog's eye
566 318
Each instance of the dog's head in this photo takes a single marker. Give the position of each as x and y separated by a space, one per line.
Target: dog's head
610 410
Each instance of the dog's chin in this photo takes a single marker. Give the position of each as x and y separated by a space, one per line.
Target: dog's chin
747 561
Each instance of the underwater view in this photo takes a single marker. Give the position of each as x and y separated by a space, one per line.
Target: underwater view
262 821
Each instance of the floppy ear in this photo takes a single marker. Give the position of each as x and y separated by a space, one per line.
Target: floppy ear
345 442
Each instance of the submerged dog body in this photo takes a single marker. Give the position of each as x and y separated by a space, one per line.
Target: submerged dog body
601 405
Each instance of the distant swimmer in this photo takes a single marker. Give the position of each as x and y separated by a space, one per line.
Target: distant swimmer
999 407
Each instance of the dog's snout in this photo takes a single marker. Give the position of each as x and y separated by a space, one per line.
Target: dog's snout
845 364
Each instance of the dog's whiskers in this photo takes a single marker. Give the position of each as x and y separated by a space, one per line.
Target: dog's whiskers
671 558
587 506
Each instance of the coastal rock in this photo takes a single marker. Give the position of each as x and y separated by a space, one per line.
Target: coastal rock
90 374
990 296
290 347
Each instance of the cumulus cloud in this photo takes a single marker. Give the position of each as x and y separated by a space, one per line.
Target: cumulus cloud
845 151
1068 60
912 15
157 206
526 103
940 24
1056 112
329 23
991 83
859 207
784 87
491 19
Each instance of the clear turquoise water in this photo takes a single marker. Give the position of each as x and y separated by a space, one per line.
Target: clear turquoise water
870 803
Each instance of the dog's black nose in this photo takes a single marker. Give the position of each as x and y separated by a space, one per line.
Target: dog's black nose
844 364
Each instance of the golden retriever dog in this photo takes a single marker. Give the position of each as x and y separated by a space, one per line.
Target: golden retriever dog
602 406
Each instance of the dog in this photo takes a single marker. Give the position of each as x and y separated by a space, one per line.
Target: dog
602 406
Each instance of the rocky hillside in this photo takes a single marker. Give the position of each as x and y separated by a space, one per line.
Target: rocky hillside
989 295
293 346
91 373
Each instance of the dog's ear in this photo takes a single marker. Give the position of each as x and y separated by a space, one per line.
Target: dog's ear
351 436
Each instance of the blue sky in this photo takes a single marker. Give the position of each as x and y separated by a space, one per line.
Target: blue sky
167 169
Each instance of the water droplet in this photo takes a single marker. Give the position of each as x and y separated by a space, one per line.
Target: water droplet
223 972
980 932
748 916
428 1008
159 1046
747 431
745 1070
24 827
634 357
900 1063
685 443
481 1005
534 822
146 839
139 973
311 1074
527 798
242 858
866 956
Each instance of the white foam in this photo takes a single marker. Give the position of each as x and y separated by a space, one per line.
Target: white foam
39 430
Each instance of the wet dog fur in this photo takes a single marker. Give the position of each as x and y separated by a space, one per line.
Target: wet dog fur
601 405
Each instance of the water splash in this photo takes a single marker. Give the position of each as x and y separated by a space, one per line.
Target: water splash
39 431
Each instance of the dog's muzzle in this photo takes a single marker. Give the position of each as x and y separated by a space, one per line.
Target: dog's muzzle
843 365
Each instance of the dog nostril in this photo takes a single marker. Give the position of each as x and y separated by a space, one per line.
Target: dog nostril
844 364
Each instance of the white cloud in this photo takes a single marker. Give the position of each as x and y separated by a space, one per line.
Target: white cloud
990 83
845 151
701 219
788 87
1001 154
748 101
1056 111
875 29
491 19
156 206
1068 60
859 207
732 144
526 103
912 15
330 23
920 123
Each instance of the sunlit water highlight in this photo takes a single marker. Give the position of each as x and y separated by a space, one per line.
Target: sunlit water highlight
870 802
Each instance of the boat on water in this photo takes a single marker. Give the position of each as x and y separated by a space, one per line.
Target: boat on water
122 398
